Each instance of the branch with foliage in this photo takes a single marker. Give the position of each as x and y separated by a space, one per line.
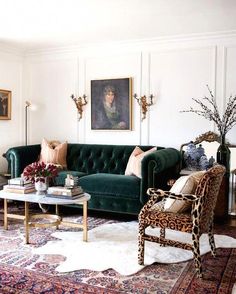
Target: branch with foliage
210 111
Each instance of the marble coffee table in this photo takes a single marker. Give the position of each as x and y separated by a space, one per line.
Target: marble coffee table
51 219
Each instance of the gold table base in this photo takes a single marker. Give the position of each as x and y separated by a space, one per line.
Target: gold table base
54 220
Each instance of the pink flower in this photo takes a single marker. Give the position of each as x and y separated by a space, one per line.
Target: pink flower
38 171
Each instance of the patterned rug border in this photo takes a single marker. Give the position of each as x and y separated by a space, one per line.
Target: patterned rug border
189 283
219 275
23 278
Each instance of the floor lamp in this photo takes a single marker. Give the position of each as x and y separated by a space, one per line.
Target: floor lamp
27 105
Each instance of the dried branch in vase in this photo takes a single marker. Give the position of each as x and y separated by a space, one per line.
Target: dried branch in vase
210 112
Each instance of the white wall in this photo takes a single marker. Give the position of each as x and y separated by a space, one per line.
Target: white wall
11 79
111 65
173 70
48 85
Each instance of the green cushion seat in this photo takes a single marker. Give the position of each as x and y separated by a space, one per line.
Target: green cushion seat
60 179
111 185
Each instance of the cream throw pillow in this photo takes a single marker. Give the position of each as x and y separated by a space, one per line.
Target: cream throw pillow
184 185
53 152
134 164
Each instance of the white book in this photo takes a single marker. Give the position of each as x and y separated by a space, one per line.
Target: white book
18 181
19 187
19 191
65 196
64 189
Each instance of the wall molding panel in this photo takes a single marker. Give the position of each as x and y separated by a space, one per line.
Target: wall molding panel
137 59
173 69
177 76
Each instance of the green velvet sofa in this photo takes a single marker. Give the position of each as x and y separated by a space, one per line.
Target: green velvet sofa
101 169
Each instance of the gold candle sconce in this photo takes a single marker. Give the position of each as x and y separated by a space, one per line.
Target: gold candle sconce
144 102
80 102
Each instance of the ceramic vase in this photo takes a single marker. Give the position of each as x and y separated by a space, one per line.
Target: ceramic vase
223 154
41 186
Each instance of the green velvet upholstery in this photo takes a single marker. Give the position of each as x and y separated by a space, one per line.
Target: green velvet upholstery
111 185
110 159
101 171
60 179
112 191
19 157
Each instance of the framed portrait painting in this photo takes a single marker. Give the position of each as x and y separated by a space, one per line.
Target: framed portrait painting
5 104
111 104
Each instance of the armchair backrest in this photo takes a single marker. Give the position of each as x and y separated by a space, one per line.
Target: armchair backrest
208 190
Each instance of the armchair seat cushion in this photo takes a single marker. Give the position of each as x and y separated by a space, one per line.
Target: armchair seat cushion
174 221
111 185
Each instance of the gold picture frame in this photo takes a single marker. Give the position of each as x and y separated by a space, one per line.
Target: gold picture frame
111 104
5 104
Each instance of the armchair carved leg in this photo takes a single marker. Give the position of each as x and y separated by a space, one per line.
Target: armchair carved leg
212 240
196 252
141 244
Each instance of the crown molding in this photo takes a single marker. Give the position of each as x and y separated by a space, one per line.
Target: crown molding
9 49
139 43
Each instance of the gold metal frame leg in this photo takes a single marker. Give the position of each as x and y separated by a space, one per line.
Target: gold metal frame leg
85 222
57 213
27 222
5 215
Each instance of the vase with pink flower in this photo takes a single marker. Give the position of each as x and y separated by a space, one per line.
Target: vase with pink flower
40 174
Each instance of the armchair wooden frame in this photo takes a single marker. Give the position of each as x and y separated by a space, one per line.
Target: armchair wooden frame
196 222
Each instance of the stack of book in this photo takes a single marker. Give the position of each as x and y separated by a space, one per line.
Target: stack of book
19 185
65 192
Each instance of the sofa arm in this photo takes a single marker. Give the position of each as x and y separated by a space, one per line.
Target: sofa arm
19 157
157 168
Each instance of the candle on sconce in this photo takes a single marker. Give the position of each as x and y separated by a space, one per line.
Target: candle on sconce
80 102
144 103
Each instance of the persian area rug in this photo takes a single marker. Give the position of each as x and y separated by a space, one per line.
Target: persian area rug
115 246
23 271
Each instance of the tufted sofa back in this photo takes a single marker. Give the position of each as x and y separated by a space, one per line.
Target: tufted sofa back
93 158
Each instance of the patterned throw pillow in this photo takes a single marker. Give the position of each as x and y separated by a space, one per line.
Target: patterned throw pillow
184 185
53 152
134 164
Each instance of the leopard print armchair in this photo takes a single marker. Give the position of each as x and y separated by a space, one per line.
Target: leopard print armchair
196 222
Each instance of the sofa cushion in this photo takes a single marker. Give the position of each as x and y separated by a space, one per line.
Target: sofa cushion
111 185
60 179
135 159
53 152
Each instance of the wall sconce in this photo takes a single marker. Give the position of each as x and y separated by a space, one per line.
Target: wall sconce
80 102
27 105
144 103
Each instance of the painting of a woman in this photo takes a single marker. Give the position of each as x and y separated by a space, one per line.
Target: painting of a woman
111 104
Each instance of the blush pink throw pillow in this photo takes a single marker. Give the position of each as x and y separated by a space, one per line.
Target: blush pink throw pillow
53 152
135 160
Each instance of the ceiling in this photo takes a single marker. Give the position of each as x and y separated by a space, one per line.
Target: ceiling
38 24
